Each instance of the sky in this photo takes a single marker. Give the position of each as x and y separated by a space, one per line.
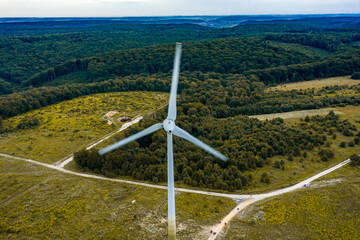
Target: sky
122 8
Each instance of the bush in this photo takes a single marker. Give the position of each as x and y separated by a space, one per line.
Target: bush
355 160
28 123
277 164
324 158
265 178
328 153
355 75
342 144
351 144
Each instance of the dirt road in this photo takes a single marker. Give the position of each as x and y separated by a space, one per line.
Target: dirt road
257 197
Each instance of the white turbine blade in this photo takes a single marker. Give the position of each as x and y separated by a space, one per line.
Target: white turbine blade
174 83
181 133
127 140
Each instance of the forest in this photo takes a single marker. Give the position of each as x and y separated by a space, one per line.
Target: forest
33 49
223 95
249 143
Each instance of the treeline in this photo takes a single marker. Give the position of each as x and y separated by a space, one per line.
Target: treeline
231 95
218 95
5 87
221 56
35 98
57 71
328 42
249 144
331 67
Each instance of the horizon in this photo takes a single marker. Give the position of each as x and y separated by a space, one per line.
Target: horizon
190 16
199 15
162 8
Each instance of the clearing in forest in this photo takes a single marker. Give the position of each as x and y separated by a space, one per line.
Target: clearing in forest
319 83
297 114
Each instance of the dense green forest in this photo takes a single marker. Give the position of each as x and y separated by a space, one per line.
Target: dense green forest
329 42
249 143
26 52
27 49
222 56
223 95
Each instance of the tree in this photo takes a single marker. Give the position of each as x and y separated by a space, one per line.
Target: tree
265 178
355 160
355 75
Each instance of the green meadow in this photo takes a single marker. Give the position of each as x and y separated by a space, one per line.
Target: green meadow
57 131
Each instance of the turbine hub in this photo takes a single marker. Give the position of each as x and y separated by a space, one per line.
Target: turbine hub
169 125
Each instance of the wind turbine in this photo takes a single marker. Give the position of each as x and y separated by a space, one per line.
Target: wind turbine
169 126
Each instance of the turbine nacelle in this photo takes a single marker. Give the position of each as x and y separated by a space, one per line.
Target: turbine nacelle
169 125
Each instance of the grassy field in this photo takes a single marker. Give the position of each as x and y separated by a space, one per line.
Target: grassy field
297 114
303 167
329 209
37 203
345 80
62 129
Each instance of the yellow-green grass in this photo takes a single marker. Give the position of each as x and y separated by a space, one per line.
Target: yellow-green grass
46 204
350 110
297 114
302 168
320 83
71 125
326 210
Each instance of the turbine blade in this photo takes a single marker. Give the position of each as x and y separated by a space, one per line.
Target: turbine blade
174 83
181 133
127 140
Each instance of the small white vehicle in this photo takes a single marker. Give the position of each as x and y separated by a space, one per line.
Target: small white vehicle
307 185
239 200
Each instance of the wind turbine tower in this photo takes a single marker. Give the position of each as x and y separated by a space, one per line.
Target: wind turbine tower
171 129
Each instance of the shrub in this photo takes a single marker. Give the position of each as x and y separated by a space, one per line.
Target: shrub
328 153
277 164
342 144
355 75
355 160
265 178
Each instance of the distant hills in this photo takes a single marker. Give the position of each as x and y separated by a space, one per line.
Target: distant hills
207 21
